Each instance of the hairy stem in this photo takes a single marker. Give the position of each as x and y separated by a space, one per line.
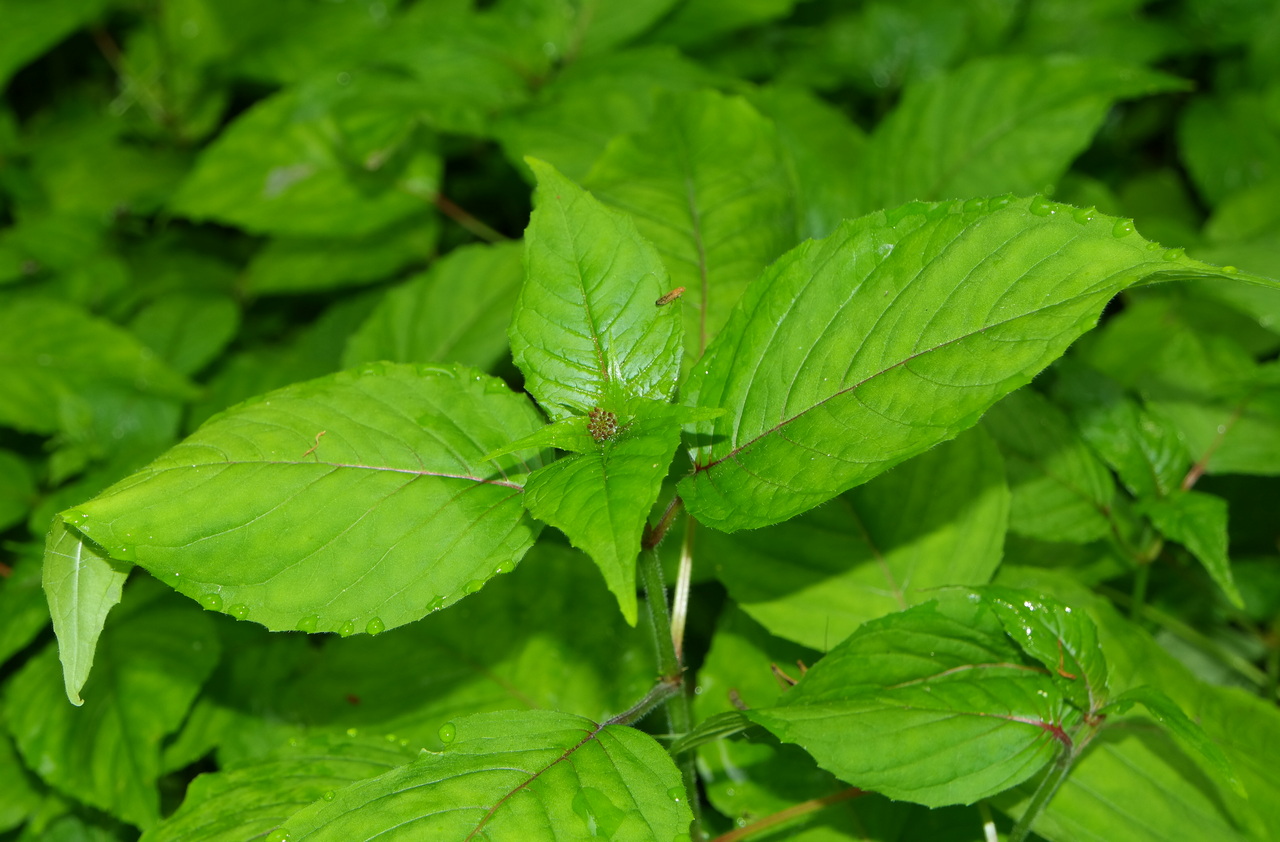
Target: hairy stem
788 814
662 691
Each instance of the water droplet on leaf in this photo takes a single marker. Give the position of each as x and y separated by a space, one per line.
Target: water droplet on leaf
1083 215
1122 228
974 205
278 835
676 793
239 611
1174 254
435 604
308 623
347 629
353 732
448 733
1230 270
1040 206
473 586
211 602
330 795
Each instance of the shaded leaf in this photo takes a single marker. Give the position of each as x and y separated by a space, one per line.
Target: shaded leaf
1061 491
456 311
24 612
356 502
856 352
17 488
42 26
931 705
532 776
151 661
187 330
705 183
250 801
585 326
1198 521
937 520
1007 124
82 586
50 352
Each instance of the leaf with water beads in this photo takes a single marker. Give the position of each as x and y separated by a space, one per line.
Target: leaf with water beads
856 352
360 529
527 776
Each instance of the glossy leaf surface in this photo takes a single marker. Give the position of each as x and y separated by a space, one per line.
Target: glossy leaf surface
353 503
932 705
1198 521
532 776
586 327
856 352
705 183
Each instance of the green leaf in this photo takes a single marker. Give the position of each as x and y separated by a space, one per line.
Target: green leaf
583 27
356 502
593 101
819 142
187 330
24 612
279 169
456 311
1010 123
586 326
152 660
1061 491
1225 144
50 352
532 776
856 352
1143 449
1064 641
601 498
82 586
1188 734
21 796
42 25
696 21
1198 521
706 184
291 265
931 705
17 489
250 801
934 521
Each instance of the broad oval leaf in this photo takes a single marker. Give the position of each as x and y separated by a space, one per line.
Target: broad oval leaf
932 705
853 353
706 183
586 327
356 502
532 776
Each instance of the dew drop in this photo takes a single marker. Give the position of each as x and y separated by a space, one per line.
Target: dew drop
239 611
376 626
676 793
1174 254
974 205
1153 246
211 602
347 629
353 732
1083 215
435 604
448 733
308 623
473 586
1040 206
330 795
278 835
504 568
999 202
391 738
1122 228
1229 270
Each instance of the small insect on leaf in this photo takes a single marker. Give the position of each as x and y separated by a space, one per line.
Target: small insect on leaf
669 297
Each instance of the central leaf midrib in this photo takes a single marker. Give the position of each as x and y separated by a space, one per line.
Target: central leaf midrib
339 465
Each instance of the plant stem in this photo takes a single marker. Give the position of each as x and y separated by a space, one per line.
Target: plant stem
680 602
1139 598
788 814
662 691
450 209
1043 795
671 671
989 832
